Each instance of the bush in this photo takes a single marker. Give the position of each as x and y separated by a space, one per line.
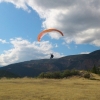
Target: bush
75 72
87 75
66 73
58 74
41 75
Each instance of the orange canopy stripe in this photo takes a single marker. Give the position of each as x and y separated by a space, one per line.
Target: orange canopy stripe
46 31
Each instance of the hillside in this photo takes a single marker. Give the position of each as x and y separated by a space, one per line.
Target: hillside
7 74
35 67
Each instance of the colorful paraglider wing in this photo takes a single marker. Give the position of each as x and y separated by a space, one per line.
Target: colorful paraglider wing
46 31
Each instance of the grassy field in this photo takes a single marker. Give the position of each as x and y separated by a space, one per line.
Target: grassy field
74 88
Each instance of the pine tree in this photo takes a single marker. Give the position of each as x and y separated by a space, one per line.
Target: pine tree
94 69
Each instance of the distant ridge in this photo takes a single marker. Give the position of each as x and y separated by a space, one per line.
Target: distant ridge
97 52
35 67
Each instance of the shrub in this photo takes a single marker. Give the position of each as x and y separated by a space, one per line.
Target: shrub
57 75
41 75
87 75
66 73
74 72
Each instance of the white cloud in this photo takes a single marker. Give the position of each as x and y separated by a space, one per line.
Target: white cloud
3 41
79 20
23 50
18 3
85 52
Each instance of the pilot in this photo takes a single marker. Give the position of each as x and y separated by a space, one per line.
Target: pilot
51 56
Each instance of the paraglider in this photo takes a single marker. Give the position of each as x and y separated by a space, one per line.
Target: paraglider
41 34
46 31
51 56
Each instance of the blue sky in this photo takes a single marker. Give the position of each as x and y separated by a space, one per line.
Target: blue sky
22 20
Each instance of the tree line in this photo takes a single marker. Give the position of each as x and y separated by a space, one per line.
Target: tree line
63 74
68 73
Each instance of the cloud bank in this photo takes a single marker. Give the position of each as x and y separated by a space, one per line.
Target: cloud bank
23 50
79 20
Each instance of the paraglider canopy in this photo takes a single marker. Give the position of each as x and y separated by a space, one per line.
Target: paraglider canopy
46 31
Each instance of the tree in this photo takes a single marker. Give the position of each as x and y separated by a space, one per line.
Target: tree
94 69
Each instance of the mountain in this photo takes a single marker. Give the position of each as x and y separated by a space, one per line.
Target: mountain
7 74
35 67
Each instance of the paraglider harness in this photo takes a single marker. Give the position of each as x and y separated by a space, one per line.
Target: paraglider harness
51 56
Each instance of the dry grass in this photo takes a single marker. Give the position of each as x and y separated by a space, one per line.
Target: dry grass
49 89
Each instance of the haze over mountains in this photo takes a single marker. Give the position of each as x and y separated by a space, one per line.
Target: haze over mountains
35 67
